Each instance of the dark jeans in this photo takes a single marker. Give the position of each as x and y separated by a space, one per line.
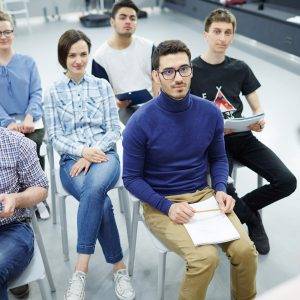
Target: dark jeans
16 250
37 136
126 113
250 152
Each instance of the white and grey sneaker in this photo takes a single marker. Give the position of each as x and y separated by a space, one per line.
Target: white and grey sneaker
75 290
123 287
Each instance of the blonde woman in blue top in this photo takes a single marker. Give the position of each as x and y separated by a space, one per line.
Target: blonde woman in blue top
83 126
20 86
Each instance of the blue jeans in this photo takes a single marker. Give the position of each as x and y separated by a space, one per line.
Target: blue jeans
16 251
95 217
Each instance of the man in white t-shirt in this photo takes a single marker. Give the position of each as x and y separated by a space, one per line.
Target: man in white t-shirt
124 59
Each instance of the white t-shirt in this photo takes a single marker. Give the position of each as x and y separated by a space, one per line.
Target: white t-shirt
127 69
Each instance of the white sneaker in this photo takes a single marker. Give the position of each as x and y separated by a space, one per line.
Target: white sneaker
75 290
123 287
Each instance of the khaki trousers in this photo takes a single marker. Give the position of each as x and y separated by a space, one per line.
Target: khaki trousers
201 261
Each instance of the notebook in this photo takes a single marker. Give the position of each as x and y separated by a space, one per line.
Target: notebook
241 124
211 227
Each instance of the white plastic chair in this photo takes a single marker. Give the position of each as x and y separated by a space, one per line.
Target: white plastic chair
236 166
38 267
16 8
162 250
57 190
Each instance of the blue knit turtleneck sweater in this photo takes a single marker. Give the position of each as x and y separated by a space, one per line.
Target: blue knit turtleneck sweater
170 146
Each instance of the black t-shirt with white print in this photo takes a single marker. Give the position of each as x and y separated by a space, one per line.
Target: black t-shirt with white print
223 83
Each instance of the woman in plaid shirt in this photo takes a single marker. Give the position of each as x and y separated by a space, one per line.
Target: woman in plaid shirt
83 126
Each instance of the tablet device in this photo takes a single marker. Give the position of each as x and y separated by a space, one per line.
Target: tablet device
136 97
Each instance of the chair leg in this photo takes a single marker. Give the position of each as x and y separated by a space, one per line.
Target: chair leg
63 227
43 289
134 225
260 184
234 175
53 193
120 190
52 180
40 243
259 181
161 274
124 199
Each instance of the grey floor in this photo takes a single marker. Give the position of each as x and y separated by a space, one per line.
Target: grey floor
279 75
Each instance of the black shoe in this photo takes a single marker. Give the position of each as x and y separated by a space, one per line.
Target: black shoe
258 235
20 291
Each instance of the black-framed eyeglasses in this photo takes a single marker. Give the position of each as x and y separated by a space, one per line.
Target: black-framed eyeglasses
170 73
6 33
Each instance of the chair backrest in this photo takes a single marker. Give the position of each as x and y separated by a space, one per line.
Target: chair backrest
15 6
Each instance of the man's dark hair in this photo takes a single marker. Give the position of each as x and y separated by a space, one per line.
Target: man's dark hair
220 15
168 47
123 3
66 41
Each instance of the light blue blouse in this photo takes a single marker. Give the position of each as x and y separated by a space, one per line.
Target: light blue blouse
20 90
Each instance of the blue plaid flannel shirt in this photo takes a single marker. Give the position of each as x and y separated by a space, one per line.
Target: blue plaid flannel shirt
83 114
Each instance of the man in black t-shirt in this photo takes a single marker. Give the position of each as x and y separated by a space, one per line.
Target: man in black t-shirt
222 79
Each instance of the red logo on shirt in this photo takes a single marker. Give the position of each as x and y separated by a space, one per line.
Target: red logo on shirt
222 102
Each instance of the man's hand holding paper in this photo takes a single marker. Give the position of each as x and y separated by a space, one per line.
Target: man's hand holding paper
181 213
211 225
226 202
258 126
255 123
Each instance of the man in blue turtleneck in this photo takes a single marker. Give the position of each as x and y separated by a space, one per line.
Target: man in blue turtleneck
170 144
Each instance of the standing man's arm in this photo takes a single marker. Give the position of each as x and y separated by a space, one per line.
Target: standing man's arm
256 108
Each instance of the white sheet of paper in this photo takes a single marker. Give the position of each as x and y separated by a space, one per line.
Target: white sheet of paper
241 124
212 227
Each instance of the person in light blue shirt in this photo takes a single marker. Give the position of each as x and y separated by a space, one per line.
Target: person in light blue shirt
83 126
20 86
